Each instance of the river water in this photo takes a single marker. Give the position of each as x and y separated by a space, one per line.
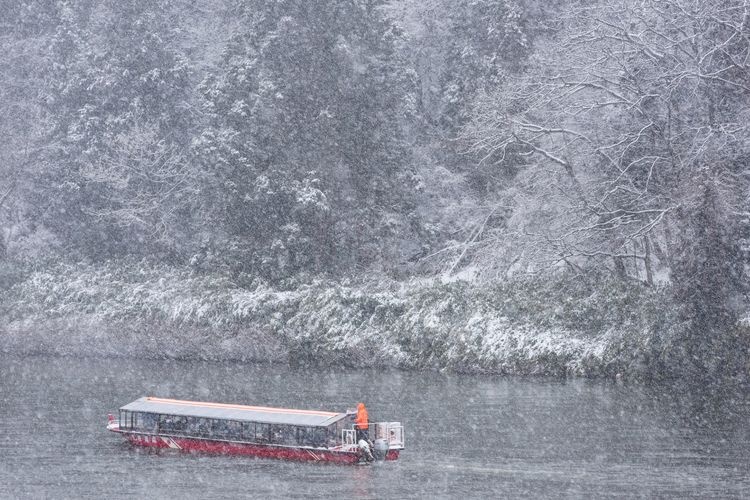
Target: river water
466 436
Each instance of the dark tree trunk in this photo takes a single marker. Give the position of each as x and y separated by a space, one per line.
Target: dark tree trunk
708 279
647 261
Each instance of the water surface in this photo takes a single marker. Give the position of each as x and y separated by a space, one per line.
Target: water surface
466 436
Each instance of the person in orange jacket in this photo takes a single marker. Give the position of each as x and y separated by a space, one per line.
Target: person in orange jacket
362 422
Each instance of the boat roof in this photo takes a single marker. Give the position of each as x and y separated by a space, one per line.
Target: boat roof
261 414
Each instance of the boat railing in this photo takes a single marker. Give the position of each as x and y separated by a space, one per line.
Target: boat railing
393 432
349 437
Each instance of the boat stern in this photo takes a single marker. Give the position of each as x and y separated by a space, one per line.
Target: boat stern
391 434
384 440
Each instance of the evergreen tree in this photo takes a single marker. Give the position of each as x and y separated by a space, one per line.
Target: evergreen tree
304 143
26 30
115 76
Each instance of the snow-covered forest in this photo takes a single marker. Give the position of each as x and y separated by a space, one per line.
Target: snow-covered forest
505 186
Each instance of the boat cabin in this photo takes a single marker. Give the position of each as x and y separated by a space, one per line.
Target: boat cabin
234 423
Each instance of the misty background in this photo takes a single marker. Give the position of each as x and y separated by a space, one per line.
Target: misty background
500 186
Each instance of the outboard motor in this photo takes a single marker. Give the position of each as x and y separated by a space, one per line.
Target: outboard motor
381 448
364 447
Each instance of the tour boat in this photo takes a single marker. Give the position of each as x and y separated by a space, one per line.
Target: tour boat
319 436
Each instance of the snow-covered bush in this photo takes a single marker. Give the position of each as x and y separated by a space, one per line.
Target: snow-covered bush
584 327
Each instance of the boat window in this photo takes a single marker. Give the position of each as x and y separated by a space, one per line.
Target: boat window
283 434
333 433
234 430
202 426
192 427
305 436
219 428
319 438
311 436
275 434
180 425
125 422
173 424
165 423
262 433
137 420
149 422
248 431
289 435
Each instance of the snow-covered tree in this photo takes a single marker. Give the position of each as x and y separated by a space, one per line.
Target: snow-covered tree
618 112
25 31
632 124
304 143
115 75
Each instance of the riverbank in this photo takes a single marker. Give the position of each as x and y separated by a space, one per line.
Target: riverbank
529 327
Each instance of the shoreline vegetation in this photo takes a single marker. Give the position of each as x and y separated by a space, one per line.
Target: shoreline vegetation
373 184
590 327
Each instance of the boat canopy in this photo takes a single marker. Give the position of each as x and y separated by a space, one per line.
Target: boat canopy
262 414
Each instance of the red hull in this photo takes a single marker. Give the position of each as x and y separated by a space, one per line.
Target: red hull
248 449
